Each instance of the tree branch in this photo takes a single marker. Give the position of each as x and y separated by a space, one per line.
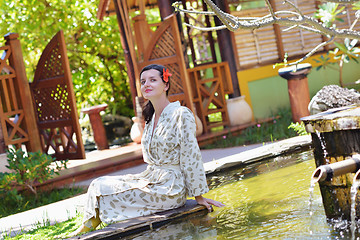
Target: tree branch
341 1
300 21
268 4
292 19
312 51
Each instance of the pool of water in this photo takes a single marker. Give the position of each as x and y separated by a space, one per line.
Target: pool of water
268 200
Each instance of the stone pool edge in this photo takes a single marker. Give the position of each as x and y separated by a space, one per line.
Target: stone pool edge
266 151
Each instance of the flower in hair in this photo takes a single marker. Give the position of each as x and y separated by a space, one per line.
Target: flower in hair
166 75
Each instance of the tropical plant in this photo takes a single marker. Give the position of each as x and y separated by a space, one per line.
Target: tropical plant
95 54
328 13
344 52
299 128
27 169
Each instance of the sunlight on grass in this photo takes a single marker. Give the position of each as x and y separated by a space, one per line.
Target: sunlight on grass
51 232
57 231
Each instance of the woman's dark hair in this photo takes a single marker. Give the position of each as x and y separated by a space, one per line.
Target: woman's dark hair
148 109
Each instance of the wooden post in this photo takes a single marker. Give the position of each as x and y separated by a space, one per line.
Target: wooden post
165 8
97 125
298 89
227 48
142 32
2 142
277 31
131 71
17 62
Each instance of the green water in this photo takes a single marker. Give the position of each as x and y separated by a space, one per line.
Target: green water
263 201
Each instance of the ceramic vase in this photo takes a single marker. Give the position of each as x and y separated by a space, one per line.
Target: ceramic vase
199 126
239 111
136 130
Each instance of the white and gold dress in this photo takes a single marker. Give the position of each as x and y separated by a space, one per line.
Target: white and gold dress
174 172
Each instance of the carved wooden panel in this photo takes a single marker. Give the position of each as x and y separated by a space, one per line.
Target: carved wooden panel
54 102
163 46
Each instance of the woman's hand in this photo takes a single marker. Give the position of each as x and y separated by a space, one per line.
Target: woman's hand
208 202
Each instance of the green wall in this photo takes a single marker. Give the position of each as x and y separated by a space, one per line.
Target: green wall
270 94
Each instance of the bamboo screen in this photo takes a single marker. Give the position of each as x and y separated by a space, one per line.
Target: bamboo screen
266 45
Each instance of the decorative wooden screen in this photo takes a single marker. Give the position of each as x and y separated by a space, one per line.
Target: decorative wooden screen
163 46
17 118
210 83
54 102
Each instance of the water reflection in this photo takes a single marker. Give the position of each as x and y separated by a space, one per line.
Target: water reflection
268 200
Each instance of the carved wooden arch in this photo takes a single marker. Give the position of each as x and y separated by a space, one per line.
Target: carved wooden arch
163 46
54 103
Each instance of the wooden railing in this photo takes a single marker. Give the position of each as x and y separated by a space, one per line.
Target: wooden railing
17 118
209 85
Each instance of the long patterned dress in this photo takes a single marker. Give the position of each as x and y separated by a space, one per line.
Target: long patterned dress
175 171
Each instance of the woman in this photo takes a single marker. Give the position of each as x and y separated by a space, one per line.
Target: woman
175 169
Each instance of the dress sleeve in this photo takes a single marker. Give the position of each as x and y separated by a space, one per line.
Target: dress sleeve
190 155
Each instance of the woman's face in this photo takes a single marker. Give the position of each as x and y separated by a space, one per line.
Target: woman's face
152 86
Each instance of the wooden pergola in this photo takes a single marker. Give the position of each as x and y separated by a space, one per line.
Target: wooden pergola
166 46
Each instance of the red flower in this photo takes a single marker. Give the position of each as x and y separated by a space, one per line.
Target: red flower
166 75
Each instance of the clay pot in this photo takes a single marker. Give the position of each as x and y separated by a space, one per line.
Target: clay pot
239 111
199 126
136 130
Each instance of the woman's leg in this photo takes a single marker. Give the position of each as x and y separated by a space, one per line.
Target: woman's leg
88 225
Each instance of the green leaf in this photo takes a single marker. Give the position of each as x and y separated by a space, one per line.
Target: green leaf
341 46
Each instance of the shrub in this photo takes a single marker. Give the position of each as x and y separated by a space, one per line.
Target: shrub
27 170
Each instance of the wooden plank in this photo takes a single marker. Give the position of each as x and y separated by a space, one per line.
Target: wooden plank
3 77
140 224
6 95
48 82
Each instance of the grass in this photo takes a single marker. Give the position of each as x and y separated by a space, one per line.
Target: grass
9 206
49 232
43 230
276 130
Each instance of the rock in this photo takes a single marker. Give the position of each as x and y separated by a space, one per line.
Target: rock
333 96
